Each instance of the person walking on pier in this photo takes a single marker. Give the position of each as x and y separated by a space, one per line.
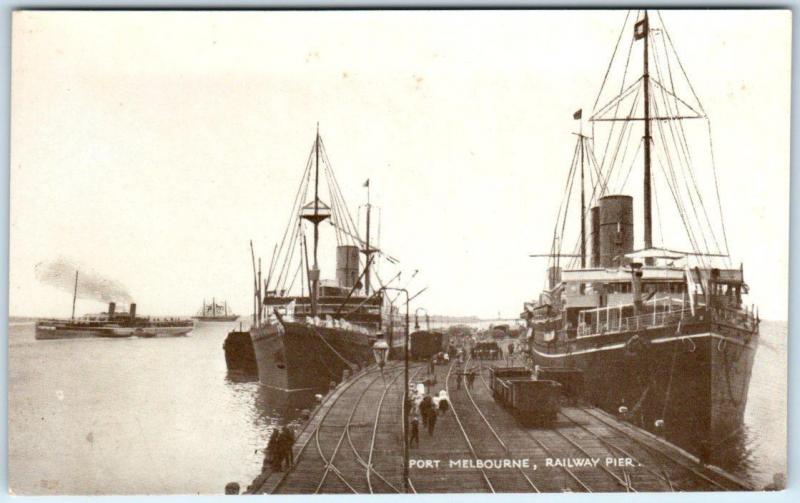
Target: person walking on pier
470 379
414 430
431 421
432 365
425 409
444 402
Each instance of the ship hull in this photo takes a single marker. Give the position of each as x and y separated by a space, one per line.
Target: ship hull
239 354
298 357
216 318
696 382
49 331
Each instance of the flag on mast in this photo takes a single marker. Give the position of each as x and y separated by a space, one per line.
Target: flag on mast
640 29
366 184
577 115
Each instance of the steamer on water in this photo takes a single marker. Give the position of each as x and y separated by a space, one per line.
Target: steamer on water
664 337
111 323
215 312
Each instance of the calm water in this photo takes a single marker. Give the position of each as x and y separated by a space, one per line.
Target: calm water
131 415
98 416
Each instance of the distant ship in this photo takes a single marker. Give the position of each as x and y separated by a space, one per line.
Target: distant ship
112 323
215 312
663 337
303 341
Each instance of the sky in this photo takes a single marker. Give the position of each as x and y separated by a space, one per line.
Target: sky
150 147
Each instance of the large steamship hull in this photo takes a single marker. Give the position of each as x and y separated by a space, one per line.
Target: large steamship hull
695 380
298 357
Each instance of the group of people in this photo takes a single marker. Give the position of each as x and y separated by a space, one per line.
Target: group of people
279 449
426 409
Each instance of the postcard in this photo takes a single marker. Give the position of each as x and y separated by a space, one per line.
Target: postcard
366 252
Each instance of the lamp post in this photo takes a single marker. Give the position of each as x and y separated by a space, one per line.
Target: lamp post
405 394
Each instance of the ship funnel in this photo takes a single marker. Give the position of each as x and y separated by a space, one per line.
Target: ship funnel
594 219
112 308
346 266
616 229
133 310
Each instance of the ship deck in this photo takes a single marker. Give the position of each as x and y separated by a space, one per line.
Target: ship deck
353 443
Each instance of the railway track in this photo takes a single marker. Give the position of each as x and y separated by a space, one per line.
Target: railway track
698 480
376 456
670 473
571 481
558 445
328 438
483 473
487 445
351 447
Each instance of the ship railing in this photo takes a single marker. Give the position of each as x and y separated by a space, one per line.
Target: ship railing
746 318
656 319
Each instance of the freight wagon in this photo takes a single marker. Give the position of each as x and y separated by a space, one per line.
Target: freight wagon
425 344
571 380
487 351
532 401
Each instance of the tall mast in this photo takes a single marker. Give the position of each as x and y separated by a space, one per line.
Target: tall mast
367 251
320 213
583 207
315 270
648 222
74 295
256 299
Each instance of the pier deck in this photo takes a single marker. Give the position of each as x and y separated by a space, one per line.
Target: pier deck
353 443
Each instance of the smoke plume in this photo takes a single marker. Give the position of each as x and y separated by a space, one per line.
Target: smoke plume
60 273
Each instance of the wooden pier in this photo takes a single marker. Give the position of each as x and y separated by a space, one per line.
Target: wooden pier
353 443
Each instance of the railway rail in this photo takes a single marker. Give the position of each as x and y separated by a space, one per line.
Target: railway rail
353 444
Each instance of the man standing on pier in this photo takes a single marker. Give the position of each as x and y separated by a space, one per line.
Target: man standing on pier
285 444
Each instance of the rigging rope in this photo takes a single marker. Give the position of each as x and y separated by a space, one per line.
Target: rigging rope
622 86
686 160
300 195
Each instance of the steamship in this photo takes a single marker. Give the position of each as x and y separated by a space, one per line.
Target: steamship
306 339
112 323
663 337
215 312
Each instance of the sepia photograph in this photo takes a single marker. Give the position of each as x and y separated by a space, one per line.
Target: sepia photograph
398 251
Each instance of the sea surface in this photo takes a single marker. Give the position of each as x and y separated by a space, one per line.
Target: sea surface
131 416
147 416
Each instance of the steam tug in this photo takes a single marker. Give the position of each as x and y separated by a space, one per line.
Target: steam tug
663 337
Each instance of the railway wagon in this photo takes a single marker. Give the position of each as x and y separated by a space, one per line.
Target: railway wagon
425 344
487 351
571 380
507 373
532 401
